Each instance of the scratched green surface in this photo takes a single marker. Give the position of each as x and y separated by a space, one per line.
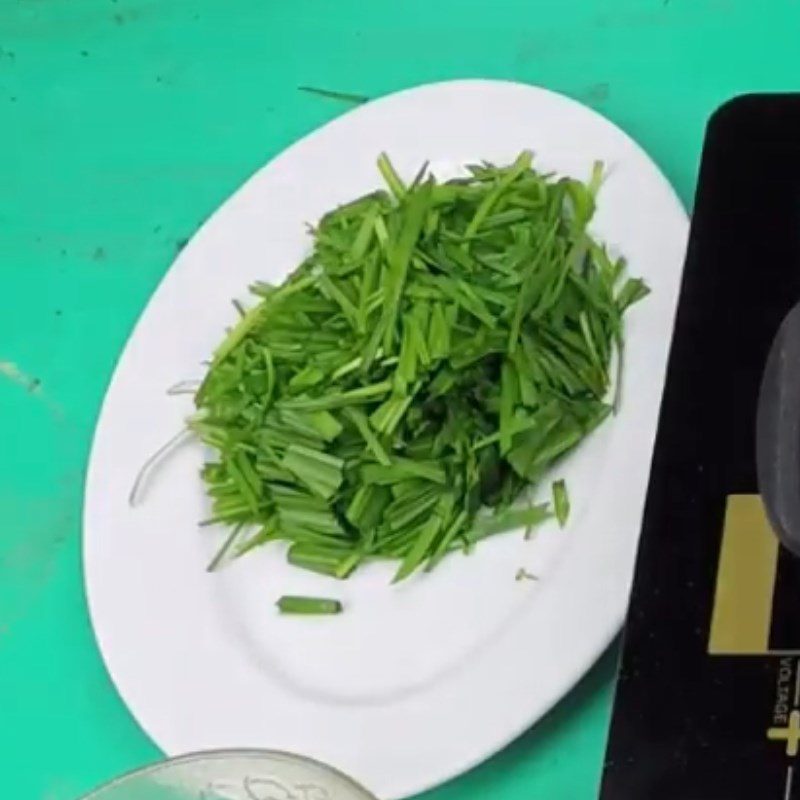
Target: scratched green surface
122 125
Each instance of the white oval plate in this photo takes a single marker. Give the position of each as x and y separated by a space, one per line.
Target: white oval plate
415 683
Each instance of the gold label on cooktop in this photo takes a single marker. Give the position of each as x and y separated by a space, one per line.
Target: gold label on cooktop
748 565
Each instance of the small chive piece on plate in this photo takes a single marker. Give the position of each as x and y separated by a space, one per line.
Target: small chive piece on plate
561 502
295 604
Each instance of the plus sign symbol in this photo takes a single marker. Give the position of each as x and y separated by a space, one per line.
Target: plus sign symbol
790 734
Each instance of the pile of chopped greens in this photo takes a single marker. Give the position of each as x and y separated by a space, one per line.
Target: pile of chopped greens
440 349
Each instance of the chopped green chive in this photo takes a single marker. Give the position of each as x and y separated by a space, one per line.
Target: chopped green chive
561 502
289 604
436 354
347 97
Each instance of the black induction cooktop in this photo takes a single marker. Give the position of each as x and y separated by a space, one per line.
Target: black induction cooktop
708 701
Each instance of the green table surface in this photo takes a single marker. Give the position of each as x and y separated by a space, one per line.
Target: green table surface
123 124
